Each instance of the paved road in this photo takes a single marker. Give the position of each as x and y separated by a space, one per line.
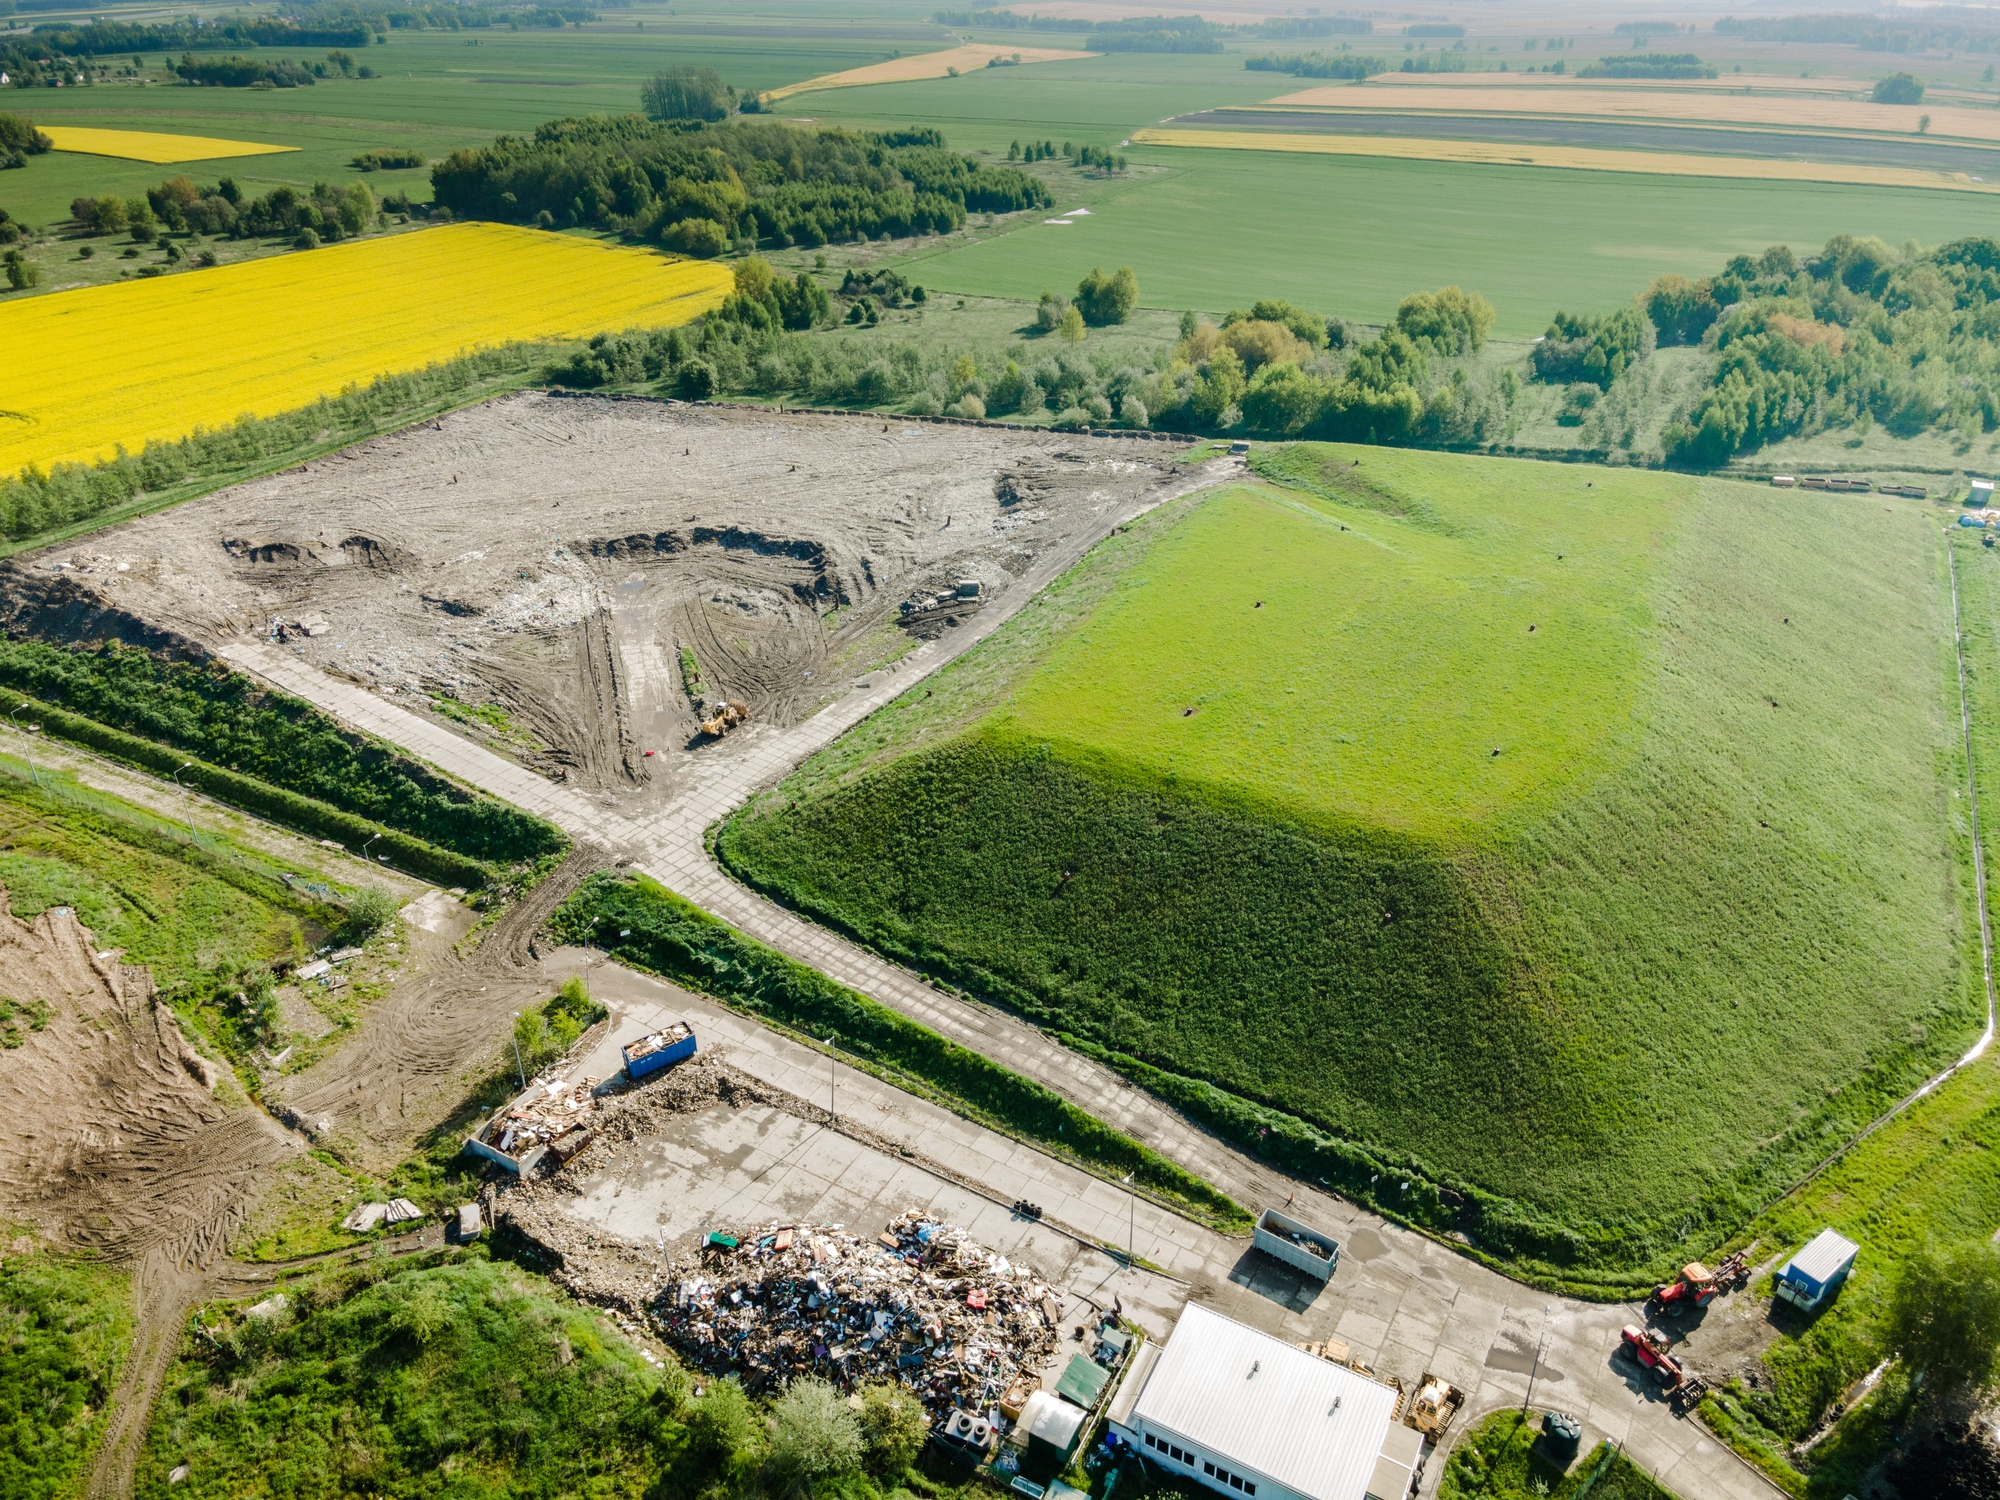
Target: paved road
1413 1307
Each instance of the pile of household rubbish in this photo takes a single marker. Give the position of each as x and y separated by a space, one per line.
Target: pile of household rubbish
921 1304
554 1112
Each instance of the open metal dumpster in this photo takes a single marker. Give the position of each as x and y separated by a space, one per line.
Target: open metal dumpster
660 1049
1296 1245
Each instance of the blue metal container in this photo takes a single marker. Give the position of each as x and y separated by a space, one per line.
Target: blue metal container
662 1049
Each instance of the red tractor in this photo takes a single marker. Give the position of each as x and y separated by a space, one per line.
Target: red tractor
1650 1349
1697 1285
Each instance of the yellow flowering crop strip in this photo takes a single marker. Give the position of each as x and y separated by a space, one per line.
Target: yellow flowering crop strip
145 145
1573 158
138 361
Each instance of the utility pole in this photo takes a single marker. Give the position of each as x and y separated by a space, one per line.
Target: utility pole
832 1039
518 1067
1536 1368
12 718
187 812
1131 1219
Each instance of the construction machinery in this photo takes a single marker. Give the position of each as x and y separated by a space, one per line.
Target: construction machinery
1697 1285
1434 1406
728 714
1650 1347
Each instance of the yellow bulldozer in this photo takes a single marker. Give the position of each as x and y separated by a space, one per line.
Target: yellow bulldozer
728 715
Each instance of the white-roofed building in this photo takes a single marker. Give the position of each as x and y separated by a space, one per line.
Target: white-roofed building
1253 1417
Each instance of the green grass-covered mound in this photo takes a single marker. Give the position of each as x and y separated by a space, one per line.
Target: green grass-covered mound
1574 845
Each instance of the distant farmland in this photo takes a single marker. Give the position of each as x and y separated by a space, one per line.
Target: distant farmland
1586 807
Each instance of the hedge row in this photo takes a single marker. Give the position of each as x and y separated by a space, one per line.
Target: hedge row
1493 1228
648 925
260 797
204 709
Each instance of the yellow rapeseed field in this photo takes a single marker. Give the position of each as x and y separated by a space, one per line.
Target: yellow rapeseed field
140 360
1574 158
144 145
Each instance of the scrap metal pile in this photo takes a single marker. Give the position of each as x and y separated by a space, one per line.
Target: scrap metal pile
921 1304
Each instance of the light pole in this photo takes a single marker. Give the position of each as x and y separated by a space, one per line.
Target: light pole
11 718
1536 1368
187 813
518 1068
832 1038
371 839
1131 1220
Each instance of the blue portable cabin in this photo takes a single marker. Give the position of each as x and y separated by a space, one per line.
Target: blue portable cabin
1817 1271
660 1049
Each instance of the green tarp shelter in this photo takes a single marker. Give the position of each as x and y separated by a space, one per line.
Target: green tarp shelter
1082 1382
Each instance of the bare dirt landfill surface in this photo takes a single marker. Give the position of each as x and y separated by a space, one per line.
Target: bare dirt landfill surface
562 559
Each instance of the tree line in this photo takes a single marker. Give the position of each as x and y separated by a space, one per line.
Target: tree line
700 190
1859 334
330 211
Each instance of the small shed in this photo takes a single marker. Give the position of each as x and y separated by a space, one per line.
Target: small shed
1082 1381
1048 1430
1982 493
1812 1275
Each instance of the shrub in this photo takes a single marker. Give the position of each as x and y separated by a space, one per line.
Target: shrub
1104 300
369 913
1133 410
892 1427
308 239
696 381
967 405
815 1436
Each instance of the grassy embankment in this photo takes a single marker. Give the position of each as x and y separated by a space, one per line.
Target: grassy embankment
1280 796
460 1374
273 755
650 928
1926 1177
68 1328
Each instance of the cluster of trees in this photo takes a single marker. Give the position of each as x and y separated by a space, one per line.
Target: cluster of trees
388 159
686 92
1898 88
1274 368
1943 28
1859 334
1083 155
1593 351
1649 65
1318 65
235 72
19 140
700 190
331 211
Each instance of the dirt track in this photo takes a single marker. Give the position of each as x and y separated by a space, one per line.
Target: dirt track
554 556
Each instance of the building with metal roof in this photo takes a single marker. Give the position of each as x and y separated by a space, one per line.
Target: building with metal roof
1257 1419
1818 1270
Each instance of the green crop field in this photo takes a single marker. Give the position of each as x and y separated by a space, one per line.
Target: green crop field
1353 237
438 91
1698 917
